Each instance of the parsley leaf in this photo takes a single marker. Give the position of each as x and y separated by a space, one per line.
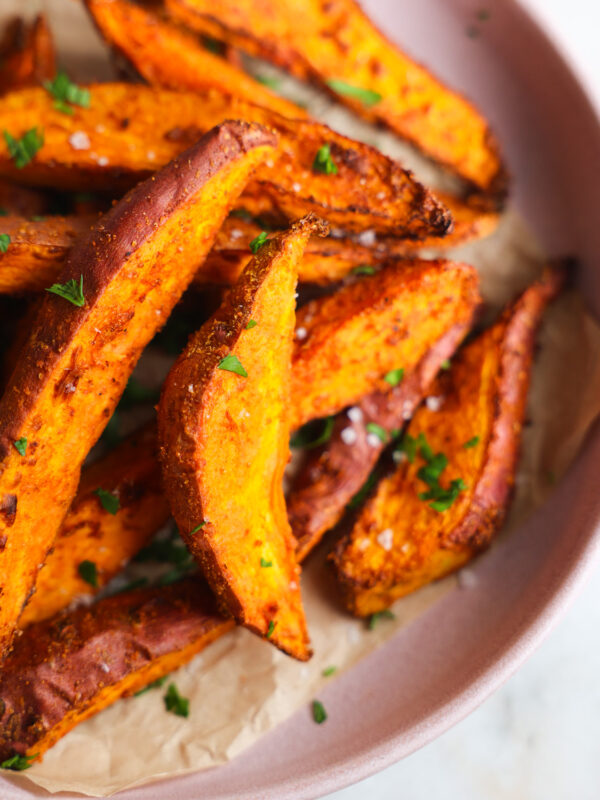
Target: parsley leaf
394 376
21 445
328 671
258 242
471 443
24 149
154 685
270 629
269 81
442 498
108 500
445 364
4 242
71 291
198 527
232 363
374 618
377 430
323 161
318 712
305 436
65 91
265 563
251 324
364 269
367 97
88 572
18 763
175 702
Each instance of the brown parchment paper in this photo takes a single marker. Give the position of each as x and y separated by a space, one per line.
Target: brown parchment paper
240 687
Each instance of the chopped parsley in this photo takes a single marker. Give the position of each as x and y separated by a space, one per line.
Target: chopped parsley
265 563
471 443
21 445
367 97
251 324
318 712
4 242
394 376
364 269
198 527
323 161
88 572
71 291
154 685
108 500
364 491
270 629
67 94
328 671
258 242
377 430
269 81
435 463
231 363
308 437
18 763
374 618
445 364
24 149
175 703
409 445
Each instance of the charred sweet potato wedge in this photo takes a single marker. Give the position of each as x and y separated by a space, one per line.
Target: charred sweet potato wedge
223 426
349 340
446 501
63 670
117 288
129 131
332 474
27 56
107 535
336 45
166 56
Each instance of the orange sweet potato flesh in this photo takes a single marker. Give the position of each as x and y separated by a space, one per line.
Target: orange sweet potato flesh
224 445
332 474
91 533
167 56
400 542
353 337
333 40
63 670
27 56
131 130
135 265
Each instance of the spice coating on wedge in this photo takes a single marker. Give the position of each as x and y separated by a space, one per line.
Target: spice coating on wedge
129 131
336 45
224 442
400 542
63 670
352 338
125 277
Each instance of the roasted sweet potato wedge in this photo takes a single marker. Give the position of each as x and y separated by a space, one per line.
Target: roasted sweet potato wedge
447 500
349 340
167 56
21 200
117 288
336 45
224 443
66 669
27 56
104 531
332 474
129 131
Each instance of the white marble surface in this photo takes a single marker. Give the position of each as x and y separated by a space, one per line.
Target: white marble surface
537 738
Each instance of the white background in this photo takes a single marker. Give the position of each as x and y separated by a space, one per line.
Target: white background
537 738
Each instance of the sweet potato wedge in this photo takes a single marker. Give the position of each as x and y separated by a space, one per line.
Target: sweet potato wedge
336 45
91 532
167 56
332 474
131 130
429 518
66 669
224 442
123 278
21 200
349 340
27 56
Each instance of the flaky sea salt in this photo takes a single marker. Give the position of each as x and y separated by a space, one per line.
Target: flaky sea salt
434 403
79 140
467 579
301 333
373 440
355 414
349 436
386 539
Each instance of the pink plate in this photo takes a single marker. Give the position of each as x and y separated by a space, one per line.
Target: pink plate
437 670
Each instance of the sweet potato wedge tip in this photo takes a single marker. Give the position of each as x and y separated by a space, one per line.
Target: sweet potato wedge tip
27 56
337 46
63 670
92 533
224 442
332 474
129 131
411 533
122 279
387 321
167 56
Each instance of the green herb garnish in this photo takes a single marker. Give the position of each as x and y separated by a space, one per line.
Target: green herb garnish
232 363
67 94
445 364
377 430
265 563
308 437
198 527
270 629
328 671
323 161
394 376
318 712
4 242
367 97
154 685
269 81
24 149
374 618
18 763
108 501
21 445
441 497
251 324
364 269
471 443
175 702
71 291
88 572
258 242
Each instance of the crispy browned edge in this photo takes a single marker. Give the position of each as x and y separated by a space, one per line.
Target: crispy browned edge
27 55
332 474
